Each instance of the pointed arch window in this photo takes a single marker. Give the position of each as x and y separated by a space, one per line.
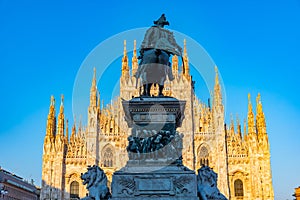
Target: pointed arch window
108 156
238 188
74 190
204 156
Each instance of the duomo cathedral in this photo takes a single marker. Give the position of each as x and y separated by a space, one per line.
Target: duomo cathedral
238 153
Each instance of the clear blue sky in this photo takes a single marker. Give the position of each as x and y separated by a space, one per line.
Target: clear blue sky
254 43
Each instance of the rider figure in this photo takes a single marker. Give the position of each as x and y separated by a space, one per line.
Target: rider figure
156 48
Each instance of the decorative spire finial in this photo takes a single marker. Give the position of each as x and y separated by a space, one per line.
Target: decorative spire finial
134 48
245 129
125 67
134 59
62 99
184 48
238 120
125 51
249 104
61 110
238 126
217 90
231 121
93 91
251 126
51 121
98 97
258 101
260 116
94 79
52 101
67 131
217 76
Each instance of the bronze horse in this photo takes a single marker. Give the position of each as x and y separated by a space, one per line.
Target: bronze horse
154 67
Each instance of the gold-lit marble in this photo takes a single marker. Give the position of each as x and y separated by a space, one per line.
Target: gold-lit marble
237 156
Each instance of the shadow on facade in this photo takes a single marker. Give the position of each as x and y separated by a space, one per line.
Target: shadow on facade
53 193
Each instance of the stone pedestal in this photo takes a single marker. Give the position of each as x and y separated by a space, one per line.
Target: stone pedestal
164 183
154 169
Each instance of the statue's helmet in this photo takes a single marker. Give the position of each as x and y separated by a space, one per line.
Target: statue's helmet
162 21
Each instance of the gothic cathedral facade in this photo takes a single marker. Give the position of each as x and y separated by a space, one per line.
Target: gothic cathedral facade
242 160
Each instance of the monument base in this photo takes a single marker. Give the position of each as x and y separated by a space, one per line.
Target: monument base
154 182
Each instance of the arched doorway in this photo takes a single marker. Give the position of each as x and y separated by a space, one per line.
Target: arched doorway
108 156
204 156
74 190
238 188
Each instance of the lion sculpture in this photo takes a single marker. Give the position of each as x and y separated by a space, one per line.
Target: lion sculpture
96 183
207 185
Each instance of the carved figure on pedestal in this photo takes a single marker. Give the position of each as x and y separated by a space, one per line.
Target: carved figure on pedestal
207 184
155 145
96 183
133 148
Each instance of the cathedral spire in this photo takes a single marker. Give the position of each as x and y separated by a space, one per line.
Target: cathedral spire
239 131
125 67
61 109
61 118
73 135
93 91
98 102
67 132
94 81
250 117
125 50
217 90
184 48
80 129
231 124
51 121
134 59
175 66
245 129
185 59
60 138
260 116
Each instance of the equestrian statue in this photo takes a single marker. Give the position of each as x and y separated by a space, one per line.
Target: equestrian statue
155 51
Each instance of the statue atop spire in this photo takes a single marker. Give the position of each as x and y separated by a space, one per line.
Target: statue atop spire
52 101
61 110
125 50
184 48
